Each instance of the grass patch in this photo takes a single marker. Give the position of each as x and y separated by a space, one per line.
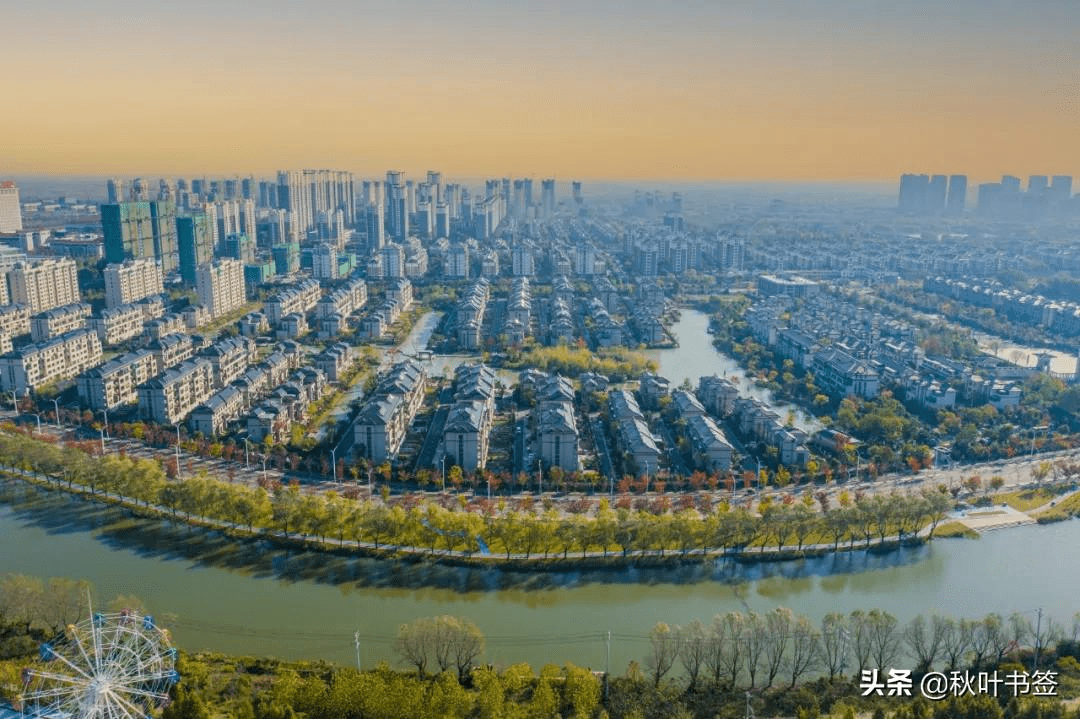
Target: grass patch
955 529
1026 499
1052 515
1068 505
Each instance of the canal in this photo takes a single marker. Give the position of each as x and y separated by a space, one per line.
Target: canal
264 600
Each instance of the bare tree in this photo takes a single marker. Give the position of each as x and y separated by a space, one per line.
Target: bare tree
1040 633
446 641
694 648
725 656
665 650
805 648
884 638
833 646
956 642
777 637
998 637
754 639
413 643
982 638
861 643
924 640
64 602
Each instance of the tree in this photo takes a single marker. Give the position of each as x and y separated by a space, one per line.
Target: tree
664 643
833 646
884 638
413 643
805 649
466 643
777 636
693 648
955 642
924 641
754 640
186 705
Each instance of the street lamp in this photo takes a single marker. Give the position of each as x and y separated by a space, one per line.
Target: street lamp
14 403
102 430
178 451
540 475
264 468
333 462
105 412
57 406
247 455
38 416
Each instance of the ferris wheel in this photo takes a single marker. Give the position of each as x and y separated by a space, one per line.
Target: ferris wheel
112 666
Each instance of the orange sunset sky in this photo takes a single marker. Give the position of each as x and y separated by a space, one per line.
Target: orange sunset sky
784 89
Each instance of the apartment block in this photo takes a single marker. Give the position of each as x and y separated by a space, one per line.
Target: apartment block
118 324
220 286
171 396
58 321
114 383
44 284
15 320
381 425
131 281
230 357
63 357
299 298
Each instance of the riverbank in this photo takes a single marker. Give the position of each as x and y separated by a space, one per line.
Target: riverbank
564 562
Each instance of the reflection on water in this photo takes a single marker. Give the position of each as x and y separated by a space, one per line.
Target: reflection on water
257 598
695 357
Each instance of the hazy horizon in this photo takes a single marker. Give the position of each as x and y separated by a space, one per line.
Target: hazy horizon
793 90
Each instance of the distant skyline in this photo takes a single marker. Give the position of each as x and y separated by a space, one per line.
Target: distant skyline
788 90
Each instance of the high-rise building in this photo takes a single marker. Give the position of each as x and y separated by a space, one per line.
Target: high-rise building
934 199
1010 184
527 184
1061 187
286 258
579 198
10 209
442 220
44 284
425 220
220 286
393 261
239 247
127 229
521 261
196 244
139 191
913 193
324 260
434 179
547 198
1038 184
131 281
957 194
374 223
163 231
397 211
116 191
140 229
308 192
457 261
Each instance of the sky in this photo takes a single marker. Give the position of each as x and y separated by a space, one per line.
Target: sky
627 89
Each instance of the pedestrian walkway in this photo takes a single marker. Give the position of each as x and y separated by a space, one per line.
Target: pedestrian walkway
985 519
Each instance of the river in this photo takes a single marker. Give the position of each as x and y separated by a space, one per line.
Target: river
696 357
301 605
